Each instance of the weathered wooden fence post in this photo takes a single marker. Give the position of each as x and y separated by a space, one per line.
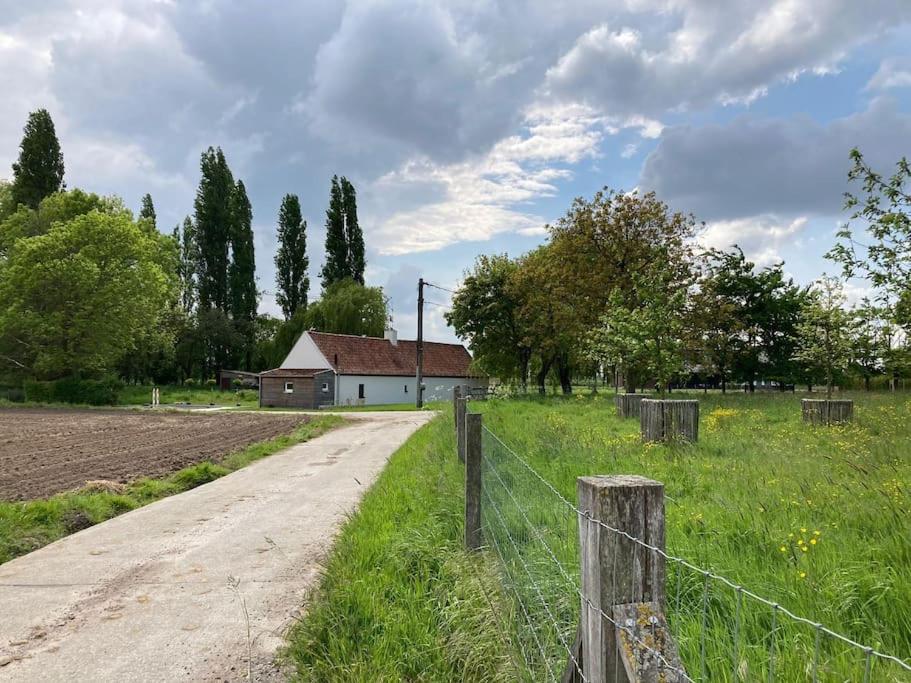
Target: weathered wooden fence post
825 412
624 634
459 408
473 455
666 420
628 404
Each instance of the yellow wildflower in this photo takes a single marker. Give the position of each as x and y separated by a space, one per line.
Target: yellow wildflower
783 549
812 541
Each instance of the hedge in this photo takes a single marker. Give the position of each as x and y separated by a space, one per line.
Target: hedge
94 392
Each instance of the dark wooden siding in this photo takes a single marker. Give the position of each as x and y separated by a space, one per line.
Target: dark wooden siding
308 391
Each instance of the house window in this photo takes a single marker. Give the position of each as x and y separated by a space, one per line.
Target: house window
325 387
289 387
360 391
406 388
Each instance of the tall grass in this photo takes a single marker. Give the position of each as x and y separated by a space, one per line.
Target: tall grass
399 600
28 525
816 519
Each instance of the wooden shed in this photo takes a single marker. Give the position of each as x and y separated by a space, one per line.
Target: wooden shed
293 388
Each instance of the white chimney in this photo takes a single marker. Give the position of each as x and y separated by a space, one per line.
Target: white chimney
391 335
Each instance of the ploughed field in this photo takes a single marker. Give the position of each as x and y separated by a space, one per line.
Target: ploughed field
43 452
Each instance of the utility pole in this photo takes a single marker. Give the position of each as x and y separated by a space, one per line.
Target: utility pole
419 393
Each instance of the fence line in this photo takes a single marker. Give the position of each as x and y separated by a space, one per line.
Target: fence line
499 490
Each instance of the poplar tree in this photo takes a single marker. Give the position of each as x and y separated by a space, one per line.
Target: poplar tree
336 267
185 236
242 269
39 170
147 211
353 235
291 262
213 220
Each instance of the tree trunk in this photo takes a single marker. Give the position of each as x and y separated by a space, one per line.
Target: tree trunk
866 382
542 376
565 374
724 385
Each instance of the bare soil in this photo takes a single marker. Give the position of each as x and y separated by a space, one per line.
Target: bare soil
43 452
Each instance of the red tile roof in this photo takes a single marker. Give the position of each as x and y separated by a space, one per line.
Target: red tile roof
353 355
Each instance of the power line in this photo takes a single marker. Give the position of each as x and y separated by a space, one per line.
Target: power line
430 284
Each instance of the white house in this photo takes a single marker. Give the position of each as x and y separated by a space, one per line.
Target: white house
342 369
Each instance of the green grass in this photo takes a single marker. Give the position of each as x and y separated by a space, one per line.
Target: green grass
757 481
758 488
28 525
399 599
135 394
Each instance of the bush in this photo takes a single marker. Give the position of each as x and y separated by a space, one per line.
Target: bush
94 392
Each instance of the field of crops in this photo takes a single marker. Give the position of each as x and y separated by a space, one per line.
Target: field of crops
815 519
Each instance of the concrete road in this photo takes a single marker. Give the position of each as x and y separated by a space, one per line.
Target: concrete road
197 587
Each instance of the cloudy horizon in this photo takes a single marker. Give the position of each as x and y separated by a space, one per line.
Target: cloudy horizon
467 128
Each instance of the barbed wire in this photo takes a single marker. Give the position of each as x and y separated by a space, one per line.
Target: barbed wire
708 576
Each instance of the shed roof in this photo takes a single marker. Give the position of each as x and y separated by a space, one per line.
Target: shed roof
353 355
292 372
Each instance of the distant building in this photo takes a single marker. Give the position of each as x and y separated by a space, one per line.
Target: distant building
340 369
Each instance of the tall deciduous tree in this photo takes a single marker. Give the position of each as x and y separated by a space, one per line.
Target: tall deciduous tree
336 267
824 332
291 262
39 170
485 313
884 256
80 296
348 307
147 211
213 221
242 269
185 237
354 237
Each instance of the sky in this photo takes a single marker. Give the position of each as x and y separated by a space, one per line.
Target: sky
467 126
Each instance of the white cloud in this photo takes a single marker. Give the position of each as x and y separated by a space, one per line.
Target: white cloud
760 237
893 73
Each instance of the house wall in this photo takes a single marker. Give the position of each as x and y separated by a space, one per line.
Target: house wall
305 354
379 390
308 392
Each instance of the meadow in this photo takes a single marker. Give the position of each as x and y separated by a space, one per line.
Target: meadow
814 519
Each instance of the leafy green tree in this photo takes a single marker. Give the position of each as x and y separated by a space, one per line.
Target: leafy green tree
80 296
39 170
291 262
147 211
867 349
242 269
6 200
354 237
188 257
336 267
242 273
348 307
824 332
884 256
59 207
610 342
485 313
213 221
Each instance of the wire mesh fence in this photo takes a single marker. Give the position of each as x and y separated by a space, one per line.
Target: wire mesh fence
723 631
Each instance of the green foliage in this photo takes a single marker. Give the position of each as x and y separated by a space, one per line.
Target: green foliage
344 237
485 312
354 236
188 257
147 212
399 600
824 332
79 296
6 200
26 526
243 297
60 207
291 262
348 307
213 221
39 170
336 267
884 255
102 392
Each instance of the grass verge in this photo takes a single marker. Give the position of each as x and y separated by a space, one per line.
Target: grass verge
399 600
28 525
